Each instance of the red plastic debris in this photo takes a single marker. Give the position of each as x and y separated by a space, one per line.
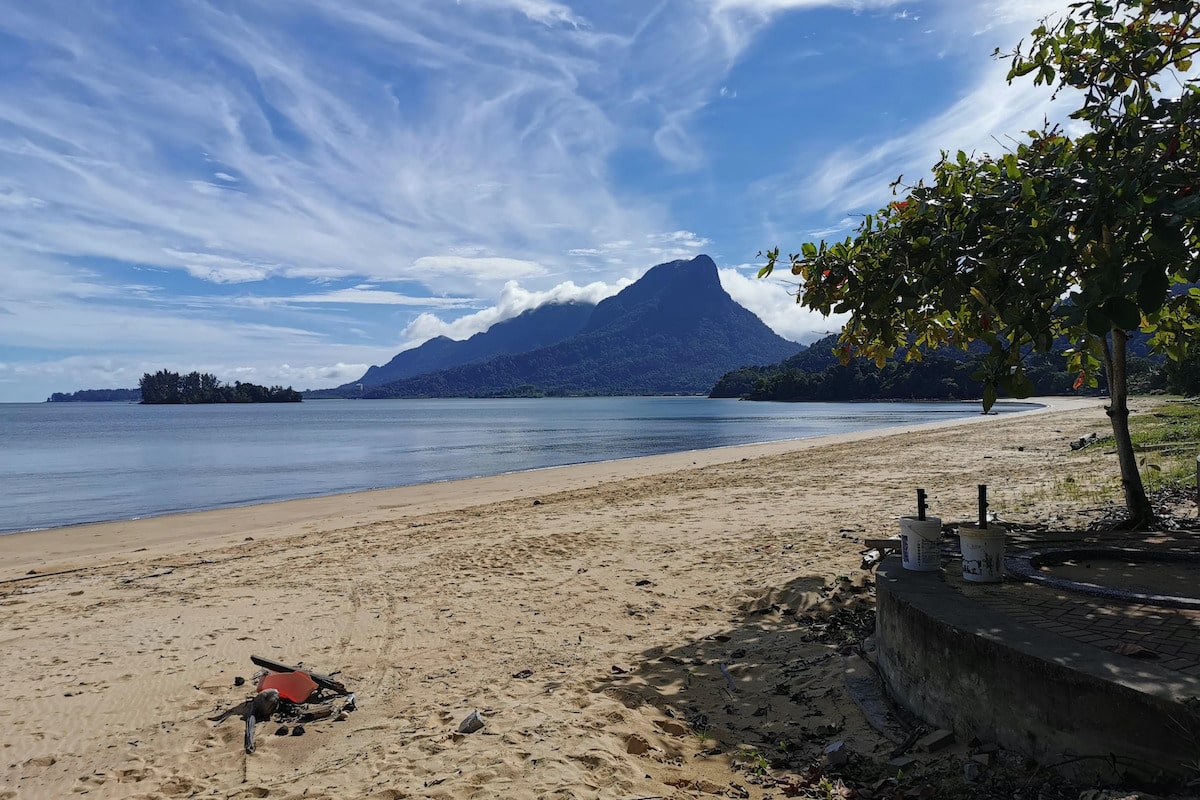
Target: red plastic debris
295 687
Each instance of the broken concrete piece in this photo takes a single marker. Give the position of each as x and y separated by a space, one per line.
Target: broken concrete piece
938 740
472 723
835 754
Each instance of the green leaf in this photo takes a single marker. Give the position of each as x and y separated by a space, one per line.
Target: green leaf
989 397
1021 69
809 250
1097 323
1010 167
1124 313
1021 385
1152 291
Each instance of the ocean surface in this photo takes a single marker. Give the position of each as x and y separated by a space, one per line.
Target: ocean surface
71 463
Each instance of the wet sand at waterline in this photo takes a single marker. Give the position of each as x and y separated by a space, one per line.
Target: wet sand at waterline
627 594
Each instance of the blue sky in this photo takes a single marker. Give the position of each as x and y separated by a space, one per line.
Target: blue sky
290 192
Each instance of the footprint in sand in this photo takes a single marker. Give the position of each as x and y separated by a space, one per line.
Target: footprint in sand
253 791
178 787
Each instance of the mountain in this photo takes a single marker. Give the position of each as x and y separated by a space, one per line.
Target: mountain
675 331
530 330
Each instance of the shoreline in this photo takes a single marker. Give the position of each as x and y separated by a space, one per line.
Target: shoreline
31 550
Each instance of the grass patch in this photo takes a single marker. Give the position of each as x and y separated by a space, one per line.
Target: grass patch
1167 440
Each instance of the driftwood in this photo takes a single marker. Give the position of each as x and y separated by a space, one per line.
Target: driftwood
241 709
261 708
324 681
312 713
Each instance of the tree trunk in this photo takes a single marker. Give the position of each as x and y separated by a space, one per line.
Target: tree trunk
1137 503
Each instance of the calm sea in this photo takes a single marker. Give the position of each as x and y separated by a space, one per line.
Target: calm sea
70 463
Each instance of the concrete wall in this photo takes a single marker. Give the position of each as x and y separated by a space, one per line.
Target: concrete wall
964 667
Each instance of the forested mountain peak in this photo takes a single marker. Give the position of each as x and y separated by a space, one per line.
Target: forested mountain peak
674 331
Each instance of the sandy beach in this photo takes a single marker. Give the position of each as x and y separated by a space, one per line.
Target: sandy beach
627 629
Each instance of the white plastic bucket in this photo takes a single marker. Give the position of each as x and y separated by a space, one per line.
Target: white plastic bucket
920 547
982 553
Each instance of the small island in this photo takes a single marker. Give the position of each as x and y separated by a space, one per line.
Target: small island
167 388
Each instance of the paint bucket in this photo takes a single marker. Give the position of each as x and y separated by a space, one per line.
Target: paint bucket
982 553
920 546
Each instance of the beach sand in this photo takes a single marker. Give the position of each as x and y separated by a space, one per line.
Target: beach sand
668 616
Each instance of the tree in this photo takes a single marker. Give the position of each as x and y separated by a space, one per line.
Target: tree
1087 238
1183 376
161 387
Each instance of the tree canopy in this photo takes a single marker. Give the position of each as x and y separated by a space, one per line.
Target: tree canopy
165 387
1088 237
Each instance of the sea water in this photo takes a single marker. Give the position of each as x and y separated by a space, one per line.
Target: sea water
71 463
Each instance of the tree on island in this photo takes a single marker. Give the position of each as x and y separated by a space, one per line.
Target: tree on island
95 396
165 387
1086 238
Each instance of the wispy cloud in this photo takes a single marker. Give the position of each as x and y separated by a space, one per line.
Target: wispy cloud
985 115
365 294
854 177
546 12
263 152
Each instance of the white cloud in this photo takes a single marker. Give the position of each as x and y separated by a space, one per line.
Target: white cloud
776 6
855 177
478 269
220 269
546 12
773 300
307 163
645 251
841 227
513 301
361 295
13 199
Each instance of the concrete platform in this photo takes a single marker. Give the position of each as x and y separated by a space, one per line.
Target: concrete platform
1037 670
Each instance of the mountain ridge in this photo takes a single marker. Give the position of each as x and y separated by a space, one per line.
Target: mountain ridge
537 327
674 331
